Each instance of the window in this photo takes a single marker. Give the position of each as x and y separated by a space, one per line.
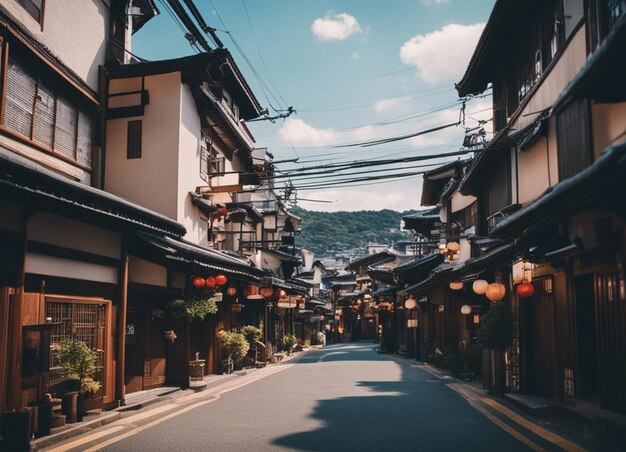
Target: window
573 138
212 163
46 114
34 8
133 143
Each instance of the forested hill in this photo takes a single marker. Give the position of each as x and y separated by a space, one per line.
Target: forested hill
331 232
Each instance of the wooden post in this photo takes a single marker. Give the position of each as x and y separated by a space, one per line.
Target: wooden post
4 342
120 389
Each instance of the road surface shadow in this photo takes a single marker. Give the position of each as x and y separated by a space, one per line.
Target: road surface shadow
413 412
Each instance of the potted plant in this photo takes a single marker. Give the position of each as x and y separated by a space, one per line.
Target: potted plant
289 341
235 348
252 335
80 363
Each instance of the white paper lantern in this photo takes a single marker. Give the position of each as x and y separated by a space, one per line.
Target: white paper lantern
466 309
410 303
480 286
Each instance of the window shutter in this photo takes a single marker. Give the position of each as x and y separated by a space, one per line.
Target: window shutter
20 96
44 116
84 144
65 136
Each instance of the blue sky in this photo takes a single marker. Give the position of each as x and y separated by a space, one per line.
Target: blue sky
354 71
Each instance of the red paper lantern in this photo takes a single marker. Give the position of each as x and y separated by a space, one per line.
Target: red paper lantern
210 282
280 293
198 281
526 290
231 291
223 211
267 292
220 280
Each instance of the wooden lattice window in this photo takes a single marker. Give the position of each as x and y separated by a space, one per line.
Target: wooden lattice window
83 321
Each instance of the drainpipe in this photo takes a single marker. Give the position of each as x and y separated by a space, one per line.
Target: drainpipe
120 389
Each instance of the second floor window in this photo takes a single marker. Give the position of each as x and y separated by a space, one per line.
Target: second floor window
40 111
212 163
34 8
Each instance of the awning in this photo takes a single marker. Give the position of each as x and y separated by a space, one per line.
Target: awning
602 77
439 275
282 255
495 256
289 285
385 291
316 302
601 184
204 205
25 181
182 251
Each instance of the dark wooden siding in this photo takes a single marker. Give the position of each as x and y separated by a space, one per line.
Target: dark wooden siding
573 126
611 328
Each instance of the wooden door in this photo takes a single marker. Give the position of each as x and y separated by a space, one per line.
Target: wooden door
538 340
156 348
611 333
135 347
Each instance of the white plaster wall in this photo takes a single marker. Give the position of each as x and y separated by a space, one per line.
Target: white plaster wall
144 272
152 180
609 125
460 202
534 175
189 145
68 233
40 264
75 31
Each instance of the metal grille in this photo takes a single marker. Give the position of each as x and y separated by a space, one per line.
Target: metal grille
85 322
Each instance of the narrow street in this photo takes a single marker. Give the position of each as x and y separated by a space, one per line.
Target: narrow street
342 397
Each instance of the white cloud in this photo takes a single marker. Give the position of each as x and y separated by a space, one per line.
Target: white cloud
393 104
364 198
335 27
355 55
302 134
436 2
443 54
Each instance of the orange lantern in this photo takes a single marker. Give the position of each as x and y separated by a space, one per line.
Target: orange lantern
526 290
220 280
280 293
198 281
496 291
267 292
231 291
210 282
251 292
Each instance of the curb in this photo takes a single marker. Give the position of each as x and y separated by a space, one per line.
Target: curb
104 419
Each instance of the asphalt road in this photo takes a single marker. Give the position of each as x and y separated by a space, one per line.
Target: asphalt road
343 397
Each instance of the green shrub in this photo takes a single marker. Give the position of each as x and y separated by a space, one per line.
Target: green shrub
235 345
80 363
452 360
193 308
289 341
496 328
252 333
